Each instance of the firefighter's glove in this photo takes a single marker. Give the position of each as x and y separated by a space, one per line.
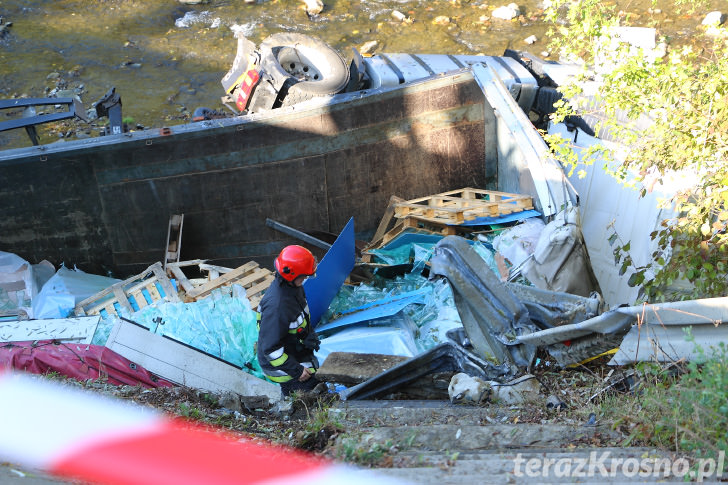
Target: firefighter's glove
311 341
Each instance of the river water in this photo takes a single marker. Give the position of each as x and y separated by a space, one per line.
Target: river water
166 58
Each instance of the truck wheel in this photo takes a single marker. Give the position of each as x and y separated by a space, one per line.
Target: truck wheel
302 67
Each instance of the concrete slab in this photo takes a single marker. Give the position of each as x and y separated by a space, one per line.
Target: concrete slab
351 368
442 437
586 465
184 365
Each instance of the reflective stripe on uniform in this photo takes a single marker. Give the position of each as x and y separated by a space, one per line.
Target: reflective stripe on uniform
300 323
279 379
296 323
277 375
309 366
277 357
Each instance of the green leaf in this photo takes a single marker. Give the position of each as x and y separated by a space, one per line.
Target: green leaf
623 269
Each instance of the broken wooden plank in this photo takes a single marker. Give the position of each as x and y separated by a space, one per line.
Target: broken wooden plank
386 218
223 280
181 278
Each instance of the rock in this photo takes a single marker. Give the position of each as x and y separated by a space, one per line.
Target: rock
192 2
314 7
53 75
441 20
553 402
714 18
401 17
231 401
508 12
530 40
464 388
368 47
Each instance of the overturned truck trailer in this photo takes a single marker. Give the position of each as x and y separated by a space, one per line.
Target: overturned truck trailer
104 204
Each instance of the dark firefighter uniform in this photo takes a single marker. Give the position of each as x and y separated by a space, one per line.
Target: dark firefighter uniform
286 341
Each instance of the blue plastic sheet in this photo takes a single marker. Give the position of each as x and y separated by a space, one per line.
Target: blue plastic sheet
512 217
331 273
385 307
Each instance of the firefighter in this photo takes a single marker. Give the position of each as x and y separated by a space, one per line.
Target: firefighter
286 340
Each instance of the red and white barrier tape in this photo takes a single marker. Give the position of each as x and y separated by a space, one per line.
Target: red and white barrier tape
76 434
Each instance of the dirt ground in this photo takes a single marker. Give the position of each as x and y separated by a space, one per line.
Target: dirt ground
309 424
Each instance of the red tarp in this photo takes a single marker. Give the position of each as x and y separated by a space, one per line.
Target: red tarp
80 361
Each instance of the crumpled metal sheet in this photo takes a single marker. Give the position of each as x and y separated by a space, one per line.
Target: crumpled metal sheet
661 334
607 323
492 315
549 309
446 357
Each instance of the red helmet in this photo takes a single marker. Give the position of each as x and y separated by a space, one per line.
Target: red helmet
295 261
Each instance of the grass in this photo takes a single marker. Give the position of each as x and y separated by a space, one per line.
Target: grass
680 407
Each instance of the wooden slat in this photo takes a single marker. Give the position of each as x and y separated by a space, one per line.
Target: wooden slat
153 291
189 262
213 267
167 286
121 298
386 218
120 292
180 277
221 281
139 299
255 293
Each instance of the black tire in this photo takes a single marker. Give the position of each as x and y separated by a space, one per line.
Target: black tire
302 67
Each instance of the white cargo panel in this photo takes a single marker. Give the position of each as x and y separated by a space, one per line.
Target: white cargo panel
389 70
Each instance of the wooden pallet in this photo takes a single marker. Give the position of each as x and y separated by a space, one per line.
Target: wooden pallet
254 279
415 225
458 206
140 290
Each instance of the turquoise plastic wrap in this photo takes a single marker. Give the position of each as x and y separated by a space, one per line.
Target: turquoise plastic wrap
223 325
432 319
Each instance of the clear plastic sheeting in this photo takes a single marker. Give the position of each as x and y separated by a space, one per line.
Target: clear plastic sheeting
416 253
393 335
419 253
518 243
67 287
432 319
17 286
222 325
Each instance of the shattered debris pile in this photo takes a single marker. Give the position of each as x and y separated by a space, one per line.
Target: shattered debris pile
456 292
470 300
